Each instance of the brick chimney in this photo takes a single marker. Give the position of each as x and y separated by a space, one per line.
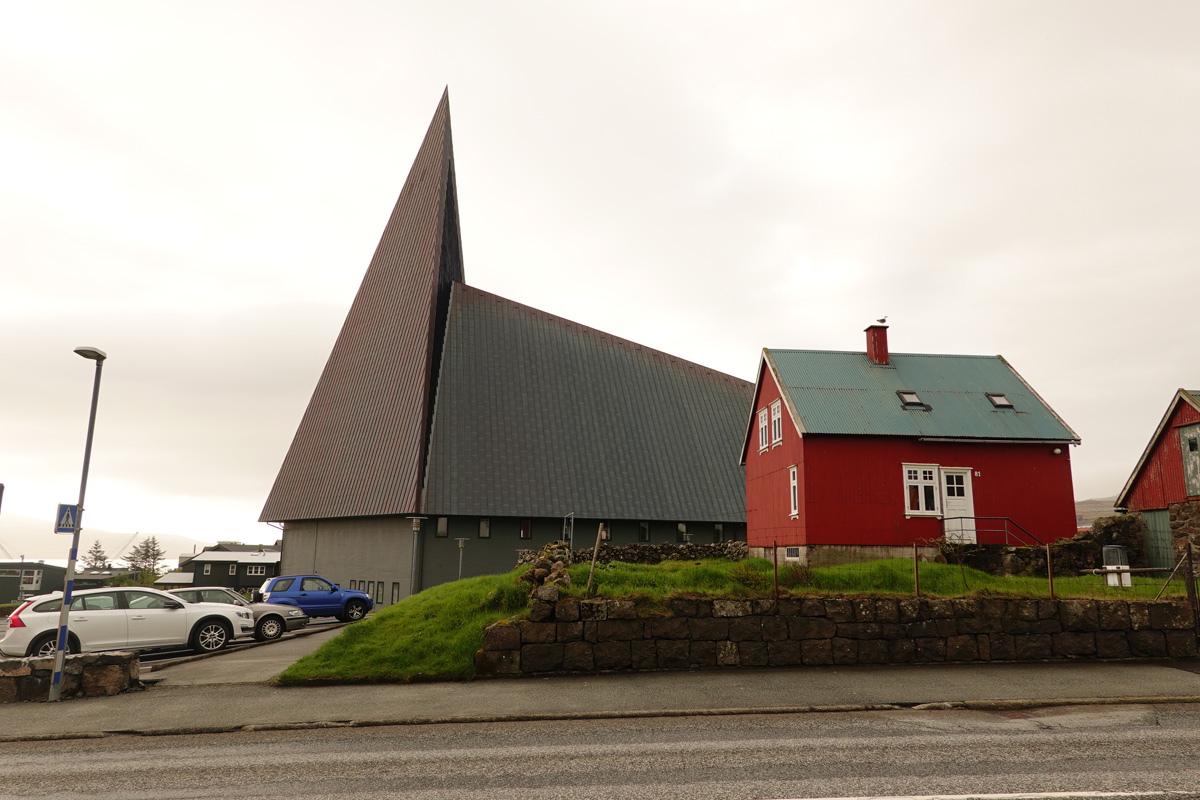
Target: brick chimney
877 349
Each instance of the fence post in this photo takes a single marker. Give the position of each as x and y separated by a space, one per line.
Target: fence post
1050 569
916 571
595 555
775 562
1190 581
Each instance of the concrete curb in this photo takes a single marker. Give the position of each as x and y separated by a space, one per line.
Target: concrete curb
951 705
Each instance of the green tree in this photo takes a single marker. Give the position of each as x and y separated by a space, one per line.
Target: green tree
146 556
95 558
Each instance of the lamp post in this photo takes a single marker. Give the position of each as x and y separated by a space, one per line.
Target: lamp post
97 355
461 544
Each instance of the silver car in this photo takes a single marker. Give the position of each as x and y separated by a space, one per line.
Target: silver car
270 619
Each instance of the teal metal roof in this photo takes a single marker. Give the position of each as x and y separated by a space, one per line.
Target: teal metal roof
845 393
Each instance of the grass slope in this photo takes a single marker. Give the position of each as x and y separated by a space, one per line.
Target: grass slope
434 635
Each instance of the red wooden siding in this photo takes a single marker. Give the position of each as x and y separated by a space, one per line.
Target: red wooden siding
768 486
855 488
1160 481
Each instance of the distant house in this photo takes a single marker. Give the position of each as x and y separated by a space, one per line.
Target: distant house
22 579
243 568
1165 485
86 578
863 454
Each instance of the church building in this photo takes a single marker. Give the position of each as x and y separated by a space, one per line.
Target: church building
450 423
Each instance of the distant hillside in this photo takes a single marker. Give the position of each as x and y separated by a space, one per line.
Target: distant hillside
35 540
1086 511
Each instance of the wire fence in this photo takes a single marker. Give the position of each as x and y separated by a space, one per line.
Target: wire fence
947 567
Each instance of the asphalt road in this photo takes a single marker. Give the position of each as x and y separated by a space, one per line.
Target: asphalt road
1152 749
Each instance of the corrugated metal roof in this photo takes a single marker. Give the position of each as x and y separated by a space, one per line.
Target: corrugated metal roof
538 416
360 447
846 393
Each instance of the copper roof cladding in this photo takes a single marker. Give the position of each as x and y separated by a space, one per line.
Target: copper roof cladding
360 447
538 416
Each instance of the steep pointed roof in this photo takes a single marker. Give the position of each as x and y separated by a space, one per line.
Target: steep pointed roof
360 447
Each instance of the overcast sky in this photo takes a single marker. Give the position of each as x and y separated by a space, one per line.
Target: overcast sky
197 188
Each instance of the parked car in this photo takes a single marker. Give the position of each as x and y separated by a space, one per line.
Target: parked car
125 618
316 596
271 620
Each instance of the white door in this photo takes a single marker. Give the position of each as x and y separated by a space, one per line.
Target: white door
98 620
958 506
151 623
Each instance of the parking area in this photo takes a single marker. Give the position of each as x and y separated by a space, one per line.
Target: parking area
254 663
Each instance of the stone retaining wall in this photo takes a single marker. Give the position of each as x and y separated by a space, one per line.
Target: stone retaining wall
86 675
1185 525
600 635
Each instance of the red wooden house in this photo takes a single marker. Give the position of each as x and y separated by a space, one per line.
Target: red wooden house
1165 484
851 454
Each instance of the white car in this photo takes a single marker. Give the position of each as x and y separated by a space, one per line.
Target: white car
124 618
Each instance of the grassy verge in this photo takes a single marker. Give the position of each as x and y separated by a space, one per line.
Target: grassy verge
434 635
429 636
754 578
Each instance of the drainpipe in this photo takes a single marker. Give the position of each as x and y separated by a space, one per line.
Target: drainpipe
414 577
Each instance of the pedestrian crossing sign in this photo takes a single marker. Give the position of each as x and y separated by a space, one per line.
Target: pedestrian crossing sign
67 518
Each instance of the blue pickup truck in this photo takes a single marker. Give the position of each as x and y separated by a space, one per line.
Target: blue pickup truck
316 596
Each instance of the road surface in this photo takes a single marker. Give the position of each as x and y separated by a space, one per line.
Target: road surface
1098 749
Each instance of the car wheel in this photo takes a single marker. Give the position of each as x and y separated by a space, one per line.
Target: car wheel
47 643
355 610
269 628
210 636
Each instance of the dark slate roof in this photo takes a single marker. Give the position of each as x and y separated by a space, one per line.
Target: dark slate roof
538 416
846 393
360 447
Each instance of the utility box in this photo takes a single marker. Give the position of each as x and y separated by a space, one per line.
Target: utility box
1117 557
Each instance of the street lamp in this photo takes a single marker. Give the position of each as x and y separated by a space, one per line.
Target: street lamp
461 544
97 355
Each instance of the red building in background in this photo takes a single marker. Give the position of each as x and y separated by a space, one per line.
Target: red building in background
854 454
1165 485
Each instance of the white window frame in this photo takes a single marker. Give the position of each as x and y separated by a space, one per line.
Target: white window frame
208 569
791 554
764 435
233 569
777 423
256 569
927 475
794 492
